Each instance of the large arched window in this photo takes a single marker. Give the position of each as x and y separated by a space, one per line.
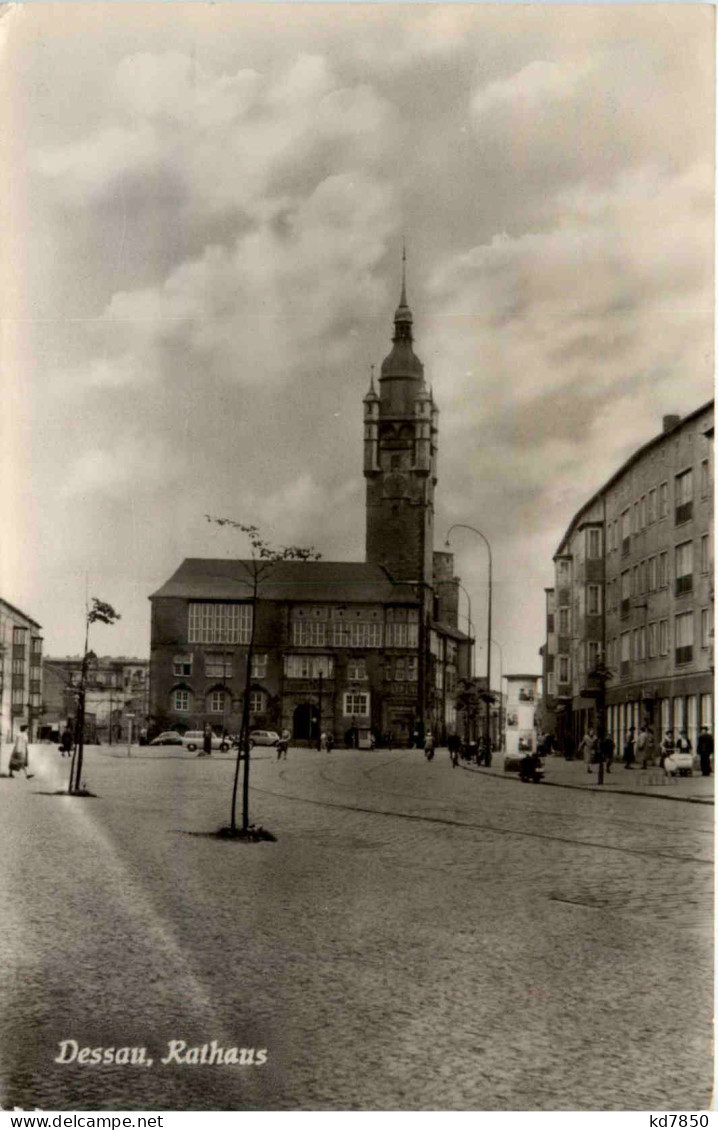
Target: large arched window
181 700
217 701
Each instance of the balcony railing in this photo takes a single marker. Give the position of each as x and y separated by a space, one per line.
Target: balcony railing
684 654
684 584
684 512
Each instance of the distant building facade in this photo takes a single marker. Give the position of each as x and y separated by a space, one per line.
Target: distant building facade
355 648
20 671
116 687
632 604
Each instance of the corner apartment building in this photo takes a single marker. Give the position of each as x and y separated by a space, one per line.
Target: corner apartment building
20 671
633 593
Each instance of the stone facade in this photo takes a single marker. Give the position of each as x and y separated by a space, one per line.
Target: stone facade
633 593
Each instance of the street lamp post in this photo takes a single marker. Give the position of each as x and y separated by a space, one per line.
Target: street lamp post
501 691
461 526
458 584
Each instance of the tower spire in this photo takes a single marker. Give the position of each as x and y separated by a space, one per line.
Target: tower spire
403 317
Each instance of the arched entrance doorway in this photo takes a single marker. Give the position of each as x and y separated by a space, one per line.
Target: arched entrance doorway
306 722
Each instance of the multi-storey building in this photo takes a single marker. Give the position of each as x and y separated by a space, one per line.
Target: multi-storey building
548 653
116 687
20 671
630 617
351 647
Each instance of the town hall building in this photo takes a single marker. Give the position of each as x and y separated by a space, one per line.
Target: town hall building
370 650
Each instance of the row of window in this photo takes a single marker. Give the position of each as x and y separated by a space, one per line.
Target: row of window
355 703
653 573
646 642
20 694
218 702
594 607
652 506
295 667
311 627
19 639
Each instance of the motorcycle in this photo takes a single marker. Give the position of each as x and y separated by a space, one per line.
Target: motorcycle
530 769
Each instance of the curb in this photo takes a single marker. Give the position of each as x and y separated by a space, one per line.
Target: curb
609 791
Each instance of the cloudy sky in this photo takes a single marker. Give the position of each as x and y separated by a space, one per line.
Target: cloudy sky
200 252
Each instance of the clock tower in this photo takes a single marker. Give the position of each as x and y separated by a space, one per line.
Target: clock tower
400 440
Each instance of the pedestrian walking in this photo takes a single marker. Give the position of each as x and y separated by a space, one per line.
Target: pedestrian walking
650 748
588 747
454 745
330 741
19 758
667 748
705 750
642 746
66 742
206 750
607 751
429 745
629 749
283 745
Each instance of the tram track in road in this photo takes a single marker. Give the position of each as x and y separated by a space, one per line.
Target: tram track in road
610 822
473 826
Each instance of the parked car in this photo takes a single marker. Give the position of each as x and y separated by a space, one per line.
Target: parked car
263 737
194 739
169 737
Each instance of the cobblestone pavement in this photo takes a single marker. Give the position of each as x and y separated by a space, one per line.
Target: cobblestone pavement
419 937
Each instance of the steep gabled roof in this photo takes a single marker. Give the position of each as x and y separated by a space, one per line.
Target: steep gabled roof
200 578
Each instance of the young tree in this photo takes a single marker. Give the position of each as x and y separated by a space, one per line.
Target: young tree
104 614
264 561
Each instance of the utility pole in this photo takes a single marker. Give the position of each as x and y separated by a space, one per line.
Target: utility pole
319 712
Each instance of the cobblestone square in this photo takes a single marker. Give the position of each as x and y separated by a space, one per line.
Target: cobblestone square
419 937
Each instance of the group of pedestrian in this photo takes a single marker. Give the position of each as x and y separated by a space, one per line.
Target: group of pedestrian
326 741
643 748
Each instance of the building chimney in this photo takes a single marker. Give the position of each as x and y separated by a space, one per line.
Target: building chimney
670 422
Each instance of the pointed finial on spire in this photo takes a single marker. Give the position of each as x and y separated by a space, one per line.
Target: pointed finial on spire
371 394
403 316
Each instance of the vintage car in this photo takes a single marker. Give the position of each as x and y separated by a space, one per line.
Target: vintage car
194 739
169 737
263 737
